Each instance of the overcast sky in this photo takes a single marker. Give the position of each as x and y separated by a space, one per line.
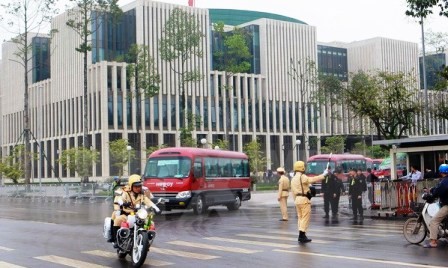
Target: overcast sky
342 20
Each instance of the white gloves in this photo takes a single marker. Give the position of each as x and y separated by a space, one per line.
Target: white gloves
120 202
325 172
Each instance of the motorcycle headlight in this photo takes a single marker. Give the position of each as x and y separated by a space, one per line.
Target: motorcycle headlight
184 194
142 213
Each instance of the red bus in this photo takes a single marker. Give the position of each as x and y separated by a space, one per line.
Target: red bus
192 178
316 164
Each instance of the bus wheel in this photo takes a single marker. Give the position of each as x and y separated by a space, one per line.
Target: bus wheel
236 204
199 207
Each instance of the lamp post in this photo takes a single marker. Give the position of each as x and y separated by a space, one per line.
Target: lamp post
203 142
129 148
298 142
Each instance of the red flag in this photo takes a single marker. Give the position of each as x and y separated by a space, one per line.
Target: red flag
191 3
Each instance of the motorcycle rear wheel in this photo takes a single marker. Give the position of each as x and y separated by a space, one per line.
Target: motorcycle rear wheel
414 231
139 253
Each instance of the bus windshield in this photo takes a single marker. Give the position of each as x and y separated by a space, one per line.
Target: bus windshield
318 166
168 167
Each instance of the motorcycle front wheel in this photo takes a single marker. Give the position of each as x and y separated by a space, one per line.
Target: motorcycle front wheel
414 231
140 249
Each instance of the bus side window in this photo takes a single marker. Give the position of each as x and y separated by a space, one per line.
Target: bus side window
198 168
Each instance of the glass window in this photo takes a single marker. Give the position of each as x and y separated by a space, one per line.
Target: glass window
317 167
169 167
198 170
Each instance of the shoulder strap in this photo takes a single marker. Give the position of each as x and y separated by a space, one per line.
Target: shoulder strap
130 198
301 185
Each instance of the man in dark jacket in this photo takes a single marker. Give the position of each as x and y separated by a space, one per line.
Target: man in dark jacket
331 190
357 185
440 191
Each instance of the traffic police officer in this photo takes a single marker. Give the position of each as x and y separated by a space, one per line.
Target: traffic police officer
300 185
130 197
357 185
283 193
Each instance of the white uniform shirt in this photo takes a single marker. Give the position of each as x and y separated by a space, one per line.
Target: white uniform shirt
414 176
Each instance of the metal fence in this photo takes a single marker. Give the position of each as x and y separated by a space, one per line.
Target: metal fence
400 196
56 192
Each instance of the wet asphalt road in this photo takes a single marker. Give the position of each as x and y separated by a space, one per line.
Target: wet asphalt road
69 234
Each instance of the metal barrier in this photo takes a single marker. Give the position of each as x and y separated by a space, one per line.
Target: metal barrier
401 196
58 192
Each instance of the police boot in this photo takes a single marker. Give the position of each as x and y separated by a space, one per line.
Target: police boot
303 238
111 232
114 234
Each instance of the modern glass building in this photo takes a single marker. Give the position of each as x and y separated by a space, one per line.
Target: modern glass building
434 64
267 103
40 58
332 61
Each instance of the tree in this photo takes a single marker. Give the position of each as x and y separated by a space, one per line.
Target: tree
334 144
120 155
152 149
231 55
186 138
11 166
182 41
222 144
305 74
24 20
257 159
387 99
142 72
79 159
423 8
85 19
329 93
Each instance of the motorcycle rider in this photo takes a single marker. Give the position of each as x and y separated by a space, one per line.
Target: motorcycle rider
440 191
132 195
300 185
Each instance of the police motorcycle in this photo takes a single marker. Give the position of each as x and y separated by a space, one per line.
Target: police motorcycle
136 235
416 229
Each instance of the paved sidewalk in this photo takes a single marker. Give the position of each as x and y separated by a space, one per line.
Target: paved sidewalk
269 199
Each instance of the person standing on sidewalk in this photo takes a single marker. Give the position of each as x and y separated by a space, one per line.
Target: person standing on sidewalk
356 186
331 191
283 193
300 186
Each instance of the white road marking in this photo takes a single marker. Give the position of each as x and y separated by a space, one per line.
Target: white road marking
183 254
108 254
314 234
68 212
9 265
251 242
359 259
370 229
280 238
6 249
334 231
68 262
214 247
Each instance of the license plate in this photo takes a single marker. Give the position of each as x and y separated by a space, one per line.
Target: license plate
166 200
